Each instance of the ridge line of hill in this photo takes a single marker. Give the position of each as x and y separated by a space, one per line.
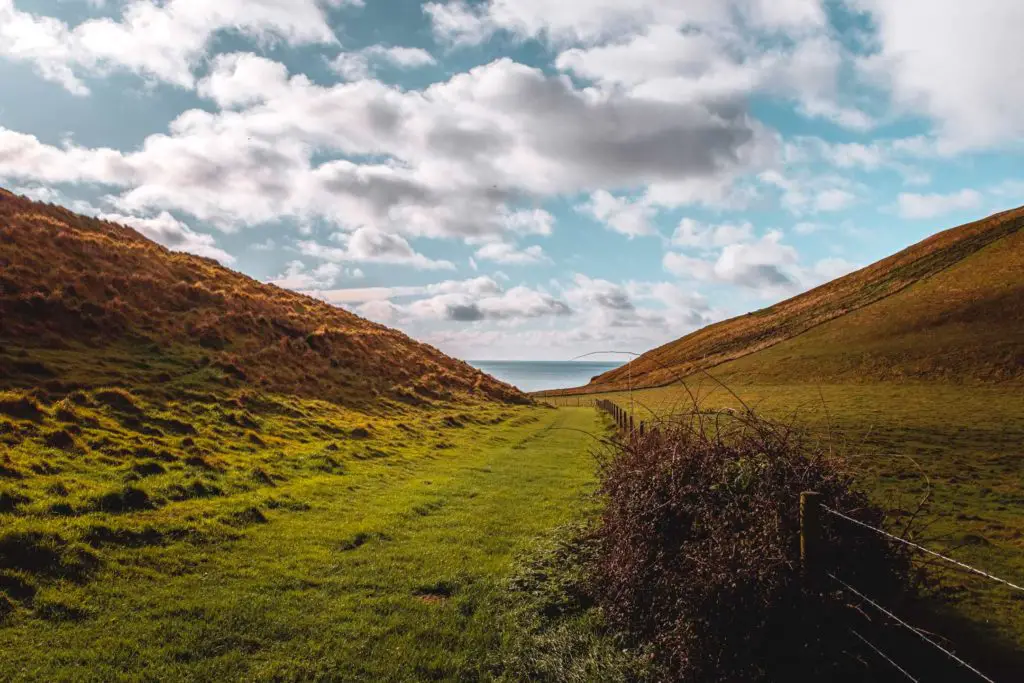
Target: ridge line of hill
968 241
75 289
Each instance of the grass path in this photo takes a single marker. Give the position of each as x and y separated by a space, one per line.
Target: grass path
391 574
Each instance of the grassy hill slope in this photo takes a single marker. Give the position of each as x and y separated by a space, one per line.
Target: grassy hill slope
76 290
156 406
948 308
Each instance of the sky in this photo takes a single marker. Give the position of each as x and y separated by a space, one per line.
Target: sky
521 179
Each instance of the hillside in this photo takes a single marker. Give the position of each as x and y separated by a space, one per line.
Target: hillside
950 308
75 291
154 403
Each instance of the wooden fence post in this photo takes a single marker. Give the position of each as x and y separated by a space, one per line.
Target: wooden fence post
810 531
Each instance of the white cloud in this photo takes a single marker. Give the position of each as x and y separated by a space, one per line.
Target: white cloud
25 157
456 158
970 91
630 217
676 62
508 254
266 245
458 23
381 311
472 300
601 293
812 193
476 287
590 21
369 245
40 193
932 205
1013 188
297 276
173 234
515 303
361 64
602 306
528 221
243 78
830 268
766 265
163 41
694 234
524 321
833 199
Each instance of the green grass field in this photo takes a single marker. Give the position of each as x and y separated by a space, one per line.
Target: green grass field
960 444
386 564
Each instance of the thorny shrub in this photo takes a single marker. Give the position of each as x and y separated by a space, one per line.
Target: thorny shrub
699 550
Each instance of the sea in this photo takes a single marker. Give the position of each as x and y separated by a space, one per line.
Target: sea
538 375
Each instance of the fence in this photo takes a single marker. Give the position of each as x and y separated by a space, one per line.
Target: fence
812 512
624 420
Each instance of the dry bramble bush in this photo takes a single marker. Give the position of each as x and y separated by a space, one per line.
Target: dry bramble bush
699 550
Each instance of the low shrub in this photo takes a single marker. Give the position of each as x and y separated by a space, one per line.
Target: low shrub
118 399
45 554
123 500
10 500
20 406
60 439
699 550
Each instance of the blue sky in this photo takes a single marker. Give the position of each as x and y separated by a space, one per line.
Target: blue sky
521 178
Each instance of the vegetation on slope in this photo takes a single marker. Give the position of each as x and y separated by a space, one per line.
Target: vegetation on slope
699 550
379 558
157 409
950 307
68 282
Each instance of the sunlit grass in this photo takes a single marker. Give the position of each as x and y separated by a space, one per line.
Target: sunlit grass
377 557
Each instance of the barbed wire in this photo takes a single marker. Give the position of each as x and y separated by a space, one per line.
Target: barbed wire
958 563
907 626
883 655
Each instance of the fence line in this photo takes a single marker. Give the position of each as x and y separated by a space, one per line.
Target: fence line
920 634
904 541
624 419
810 536
883 655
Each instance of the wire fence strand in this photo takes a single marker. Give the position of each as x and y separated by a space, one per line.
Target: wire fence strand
920 634
883 655
904 541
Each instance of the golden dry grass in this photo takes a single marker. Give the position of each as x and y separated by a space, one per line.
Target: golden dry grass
950 308
67 281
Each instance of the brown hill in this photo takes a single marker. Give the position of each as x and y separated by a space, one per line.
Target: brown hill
950 308
85 302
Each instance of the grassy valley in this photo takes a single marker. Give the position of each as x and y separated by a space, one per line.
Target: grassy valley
206 477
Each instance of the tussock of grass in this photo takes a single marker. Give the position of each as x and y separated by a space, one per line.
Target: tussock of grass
19 406
45 554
